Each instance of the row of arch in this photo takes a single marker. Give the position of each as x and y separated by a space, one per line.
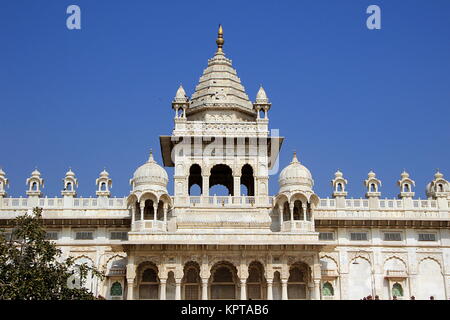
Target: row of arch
149 206
220 175
223 282
429 279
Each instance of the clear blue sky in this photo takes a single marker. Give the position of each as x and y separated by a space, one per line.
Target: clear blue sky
343 96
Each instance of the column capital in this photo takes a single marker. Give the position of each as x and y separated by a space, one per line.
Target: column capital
205 280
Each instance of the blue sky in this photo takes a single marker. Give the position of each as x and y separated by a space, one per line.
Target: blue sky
343 96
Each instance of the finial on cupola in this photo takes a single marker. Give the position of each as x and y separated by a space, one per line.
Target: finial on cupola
150 157
220 41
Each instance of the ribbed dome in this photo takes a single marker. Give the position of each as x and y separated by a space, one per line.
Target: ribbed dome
150 174
295 175
338 174
70 173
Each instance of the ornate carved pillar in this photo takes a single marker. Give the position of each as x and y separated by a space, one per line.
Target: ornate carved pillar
178 289
284 291
131 275
142 205
130 284
243 289
204 289
291 211
155 212
304 206
133 213
281 211
269 289
205 185
237 186
316 289
165 208
162 289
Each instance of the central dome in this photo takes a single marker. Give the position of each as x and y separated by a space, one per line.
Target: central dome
295 176
150 176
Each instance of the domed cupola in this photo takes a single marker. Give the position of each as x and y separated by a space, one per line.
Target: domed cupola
150 176
295 177
439 187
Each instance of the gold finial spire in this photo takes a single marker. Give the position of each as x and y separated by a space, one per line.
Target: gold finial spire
220 40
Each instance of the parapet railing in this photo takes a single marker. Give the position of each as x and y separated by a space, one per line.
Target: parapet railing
59 203
383 204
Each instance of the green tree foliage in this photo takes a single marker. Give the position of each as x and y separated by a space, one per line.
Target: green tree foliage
31 267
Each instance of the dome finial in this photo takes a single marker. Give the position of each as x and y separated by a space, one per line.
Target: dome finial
150 157
294 157
219 39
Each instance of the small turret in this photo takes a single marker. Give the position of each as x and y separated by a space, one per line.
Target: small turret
339 192
261 103
104 183
70 183
180 103
406 184
35 183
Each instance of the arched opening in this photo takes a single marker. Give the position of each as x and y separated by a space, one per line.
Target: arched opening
244 190
397 290
195 179
88 279
69 186
406 188
1 186
440 187
160 211
248 180
221 174
171 286
149 210
298 210
360 278
308 212
339 187
116 289
137 214
372 188
255 281
430 281
34 186
149 283
286 212
327 290
219 190
261 114
297 281
191 281
103 186
223 281
195 190
276 286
